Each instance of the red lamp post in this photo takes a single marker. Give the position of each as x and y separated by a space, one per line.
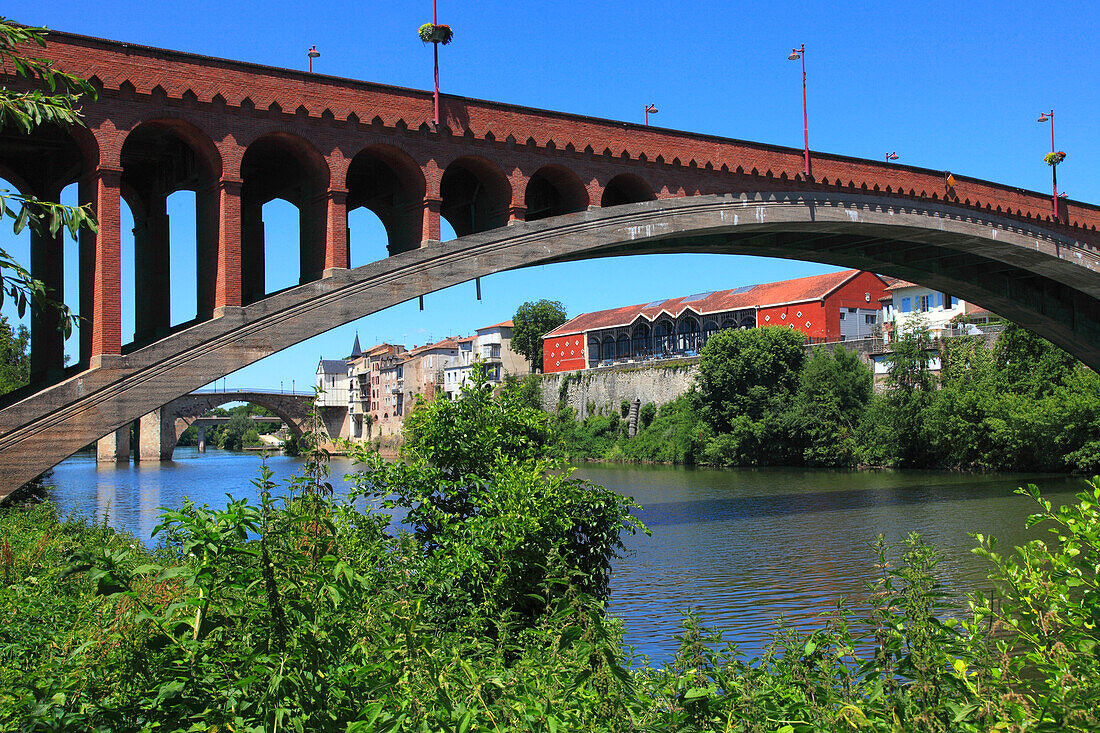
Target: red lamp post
435 50
1043 117
797 54
312 53
651 109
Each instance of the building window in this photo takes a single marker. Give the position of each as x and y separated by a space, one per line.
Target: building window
924 304
906 305
842 315
869 319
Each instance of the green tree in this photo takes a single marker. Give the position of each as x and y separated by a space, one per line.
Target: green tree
26 110
1029 364
834 389
232 437
742 372
745 382
486 496
15 361
910 385
531 322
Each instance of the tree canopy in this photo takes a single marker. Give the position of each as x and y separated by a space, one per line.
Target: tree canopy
532 321
15 362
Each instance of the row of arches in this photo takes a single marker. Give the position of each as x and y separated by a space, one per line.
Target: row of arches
171 176
682 336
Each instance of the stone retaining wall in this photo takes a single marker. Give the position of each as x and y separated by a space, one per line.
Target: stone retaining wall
595 391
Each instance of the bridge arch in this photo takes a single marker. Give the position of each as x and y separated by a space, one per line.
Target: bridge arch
626 188
475 195
160 157
279 165
1039 278
387 181
554 190
160 430
43 163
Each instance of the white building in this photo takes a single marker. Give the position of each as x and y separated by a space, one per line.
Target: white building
332 383
910 301
491 347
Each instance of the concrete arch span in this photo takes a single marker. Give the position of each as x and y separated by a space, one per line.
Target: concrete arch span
1043 280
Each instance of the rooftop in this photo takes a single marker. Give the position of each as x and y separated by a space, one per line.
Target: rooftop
799 290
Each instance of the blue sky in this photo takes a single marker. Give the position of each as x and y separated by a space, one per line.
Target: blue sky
947 85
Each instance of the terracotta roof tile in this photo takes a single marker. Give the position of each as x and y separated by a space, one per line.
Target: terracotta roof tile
798 290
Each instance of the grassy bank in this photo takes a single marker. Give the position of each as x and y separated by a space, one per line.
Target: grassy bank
310 613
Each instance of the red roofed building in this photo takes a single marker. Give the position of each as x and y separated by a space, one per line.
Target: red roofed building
833 307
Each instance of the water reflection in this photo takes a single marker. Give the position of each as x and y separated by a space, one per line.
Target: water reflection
739 546
744 546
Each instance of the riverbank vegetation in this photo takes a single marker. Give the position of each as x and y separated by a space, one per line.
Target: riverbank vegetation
761 400
484 611
239 432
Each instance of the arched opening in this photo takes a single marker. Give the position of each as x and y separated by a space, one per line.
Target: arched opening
593 351
626 188
622 346
688 335
279 217
552 191
608 351
175 234
387 182
748 322
641 340
46 164
664 338
475 196
709 329
181 422
281 166
368 239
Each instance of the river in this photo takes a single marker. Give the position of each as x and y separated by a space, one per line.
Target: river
739 546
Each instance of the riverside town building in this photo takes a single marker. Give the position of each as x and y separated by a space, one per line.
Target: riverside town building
834 307
368 393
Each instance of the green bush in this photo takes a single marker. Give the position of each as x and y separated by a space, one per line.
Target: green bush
313 613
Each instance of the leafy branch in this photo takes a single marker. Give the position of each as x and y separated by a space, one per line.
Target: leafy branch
56 102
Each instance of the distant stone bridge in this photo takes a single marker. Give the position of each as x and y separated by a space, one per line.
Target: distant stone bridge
159 431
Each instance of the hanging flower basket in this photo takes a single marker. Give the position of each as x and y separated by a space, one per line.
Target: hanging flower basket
435 33
1054 158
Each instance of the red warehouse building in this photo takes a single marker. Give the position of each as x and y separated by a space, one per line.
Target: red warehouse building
834 307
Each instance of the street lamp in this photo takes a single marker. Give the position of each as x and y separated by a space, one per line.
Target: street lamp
797 54
651 109
891 156
313 53
1043 117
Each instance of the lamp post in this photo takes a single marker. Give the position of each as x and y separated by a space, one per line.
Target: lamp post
651 109
1043 117
800 54
435 51
891 156
313 53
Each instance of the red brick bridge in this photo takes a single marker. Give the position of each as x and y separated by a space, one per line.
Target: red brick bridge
519 186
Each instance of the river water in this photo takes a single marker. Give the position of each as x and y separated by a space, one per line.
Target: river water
740 547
